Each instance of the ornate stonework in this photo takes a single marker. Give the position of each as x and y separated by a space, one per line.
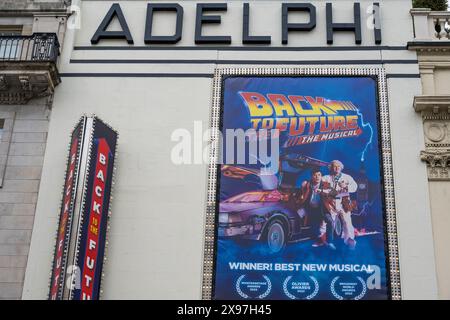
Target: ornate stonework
438 163
22 81
3 83
435 112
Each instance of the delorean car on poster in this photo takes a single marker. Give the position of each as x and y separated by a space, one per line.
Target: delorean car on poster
315 227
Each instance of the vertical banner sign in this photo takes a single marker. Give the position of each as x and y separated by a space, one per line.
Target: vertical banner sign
312 226
91 240
65 218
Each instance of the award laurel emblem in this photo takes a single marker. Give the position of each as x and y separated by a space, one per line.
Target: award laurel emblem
339 297
246 296
291 296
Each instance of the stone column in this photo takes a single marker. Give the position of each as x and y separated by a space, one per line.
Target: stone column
435 111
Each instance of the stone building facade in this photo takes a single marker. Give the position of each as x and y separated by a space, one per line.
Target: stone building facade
146 91
43 94
28 77
432 43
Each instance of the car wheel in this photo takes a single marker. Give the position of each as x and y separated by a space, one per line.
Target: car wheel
276 236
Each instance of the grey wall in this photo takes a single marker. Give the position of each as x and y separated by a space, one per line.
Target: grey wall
22 150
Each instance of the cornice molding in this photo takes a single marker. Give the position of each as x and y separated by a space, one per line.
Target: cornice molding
429 46
432 104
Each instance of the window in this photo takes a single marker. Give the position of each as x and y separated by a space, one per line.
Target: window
9 46
10 30
2 125
6 125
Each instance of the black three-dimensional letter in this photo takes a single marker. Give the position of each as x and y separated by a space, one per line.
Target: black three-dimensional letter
246 37
202 19
101 33
354 27
168 7
287 27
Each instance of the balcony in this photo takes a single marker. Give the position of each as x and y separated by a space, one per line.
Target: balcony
28 67
431 30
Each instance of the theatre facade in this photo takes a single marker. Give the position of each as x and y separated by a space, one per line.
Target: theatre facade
244 150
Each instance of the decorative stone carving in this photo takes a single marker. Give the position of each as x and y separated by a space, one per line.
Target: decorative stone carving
435 111
436 132
438 163
22 81
25 82
3 83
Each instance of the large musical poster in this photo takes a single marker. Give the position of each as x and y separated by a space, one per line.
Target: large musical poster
306 219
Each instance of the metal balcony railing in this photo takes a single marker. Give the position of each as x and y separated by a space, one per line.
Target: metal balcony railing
42 47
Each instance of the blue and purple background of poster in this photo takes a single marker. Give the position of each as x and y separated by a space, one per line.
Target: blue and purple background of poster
244 265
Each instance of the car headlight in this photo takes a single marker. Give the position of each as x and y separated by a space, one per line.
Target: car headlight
223 217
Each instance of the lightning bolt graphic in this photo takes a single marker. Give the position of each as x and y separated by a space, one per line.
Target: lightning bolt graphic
363 212
364 124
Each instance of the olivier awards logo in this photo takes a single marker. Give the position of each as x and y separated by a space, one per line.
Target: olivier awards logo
301 287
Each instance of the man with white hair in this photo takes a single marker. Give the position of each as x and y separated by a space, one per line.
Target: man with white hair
337 187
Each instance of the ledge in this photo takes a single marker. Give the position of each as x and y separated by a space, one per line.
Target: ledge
430 44
434 104
23 81
30 6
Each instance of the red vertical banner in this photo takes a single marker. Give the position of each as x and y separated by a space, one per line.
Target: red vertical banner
65 219
81 236
95 220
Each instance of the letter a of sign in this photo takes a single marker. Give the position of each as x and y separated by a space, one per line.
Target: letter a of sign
101 33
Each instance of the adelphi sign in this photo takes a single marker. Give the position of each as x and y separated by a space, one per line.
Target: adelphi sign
211 13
